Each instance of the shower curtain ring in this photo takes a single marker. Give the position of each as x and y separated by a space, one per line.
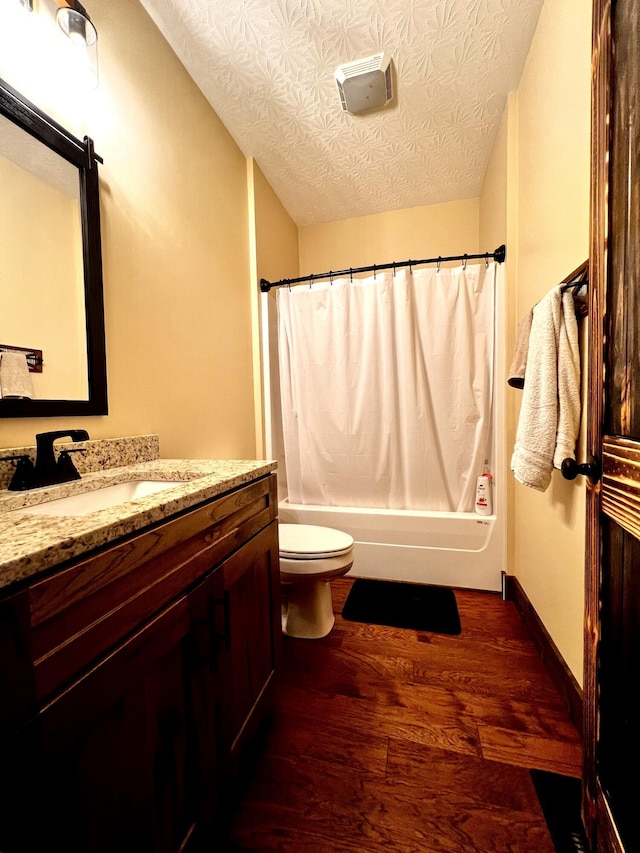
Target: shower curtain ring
438 264
464 262
310 280
486 260
351 274
374 272
331 277
394 269
410 268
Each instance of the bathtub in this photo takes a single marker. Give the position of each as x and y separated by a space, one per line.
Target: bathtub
462 550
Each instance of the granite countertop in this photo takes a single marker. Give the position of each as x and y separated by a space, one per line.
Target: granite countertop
30 543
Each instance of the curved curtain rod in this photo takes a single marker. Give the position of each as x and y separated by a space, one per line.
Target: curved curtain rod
498 255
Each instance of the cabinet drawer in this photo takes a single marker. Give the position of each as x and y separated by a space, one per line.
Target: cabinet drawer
80 612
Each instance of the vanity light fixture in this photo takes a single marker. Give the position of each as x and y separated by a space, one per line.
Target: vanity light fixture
74 22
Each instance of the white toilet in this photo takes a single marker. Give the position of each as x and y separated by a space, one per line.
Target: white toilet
310 556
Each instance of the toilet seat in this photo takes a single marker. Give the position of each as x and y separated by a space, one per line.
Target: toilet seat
311 542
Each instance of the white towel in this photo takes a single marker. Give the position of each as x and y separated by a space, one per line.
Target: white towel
518 367
550 413
15 379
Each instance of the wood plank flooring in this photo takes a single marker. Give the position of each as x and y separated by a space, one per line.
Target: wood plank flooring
392 740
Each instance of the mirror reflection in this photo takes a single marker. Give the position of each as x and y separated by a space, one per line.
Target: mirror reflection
51 295
41 262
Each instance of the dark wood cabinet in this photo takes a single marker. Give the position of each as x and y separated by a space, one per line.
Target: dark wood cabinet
149 674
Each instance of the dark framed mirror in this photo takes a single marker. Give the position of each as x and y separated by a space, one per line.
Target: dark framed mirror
51 292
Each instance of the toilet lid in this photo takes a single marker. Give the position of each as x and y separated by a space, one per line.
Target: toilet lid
306 541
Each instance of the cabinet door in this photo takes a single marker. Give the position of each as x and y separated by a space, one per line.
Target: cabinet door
122 760
17 682
247 597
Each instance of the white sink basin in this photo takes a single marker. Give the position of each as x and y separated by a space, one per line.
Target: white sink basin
101 498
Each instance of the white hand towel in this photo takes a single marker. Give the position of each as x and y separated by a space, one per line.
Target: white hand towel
15 379
568 383
550 413
519 363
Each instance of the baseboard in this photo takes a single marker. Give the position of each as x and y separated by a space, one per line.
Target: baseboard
553 661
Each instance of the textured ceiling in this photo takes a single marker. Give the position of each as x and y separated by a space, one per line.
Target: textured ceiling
266 67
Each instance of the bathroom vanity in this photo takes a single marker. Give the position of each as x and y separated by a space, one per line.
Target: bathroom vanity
138 646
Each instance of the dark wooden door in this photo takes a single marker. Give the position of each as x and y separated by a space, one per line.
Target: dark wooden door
123 759
612 675
250 633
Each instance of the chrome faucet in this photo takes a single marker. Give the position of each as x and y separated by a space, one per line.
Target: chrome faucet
47 471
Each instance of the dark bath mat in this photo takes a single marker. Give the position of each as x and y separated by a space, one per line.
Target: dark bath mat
403 605
560 797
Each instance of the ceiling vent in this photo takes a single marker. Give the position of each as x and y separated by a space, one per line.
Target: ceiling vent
365 84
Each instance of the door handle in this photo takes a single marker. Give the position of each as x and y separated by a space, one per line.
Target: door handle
591 469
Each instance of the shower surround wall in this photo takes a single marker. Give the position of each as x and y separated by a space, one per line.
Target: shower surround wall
458 549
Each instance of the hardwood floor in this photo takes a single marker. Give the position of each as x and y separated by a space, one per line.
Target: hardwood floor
393 740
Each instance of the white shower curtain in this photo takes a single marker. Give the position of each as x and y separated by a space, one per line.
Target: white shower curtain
386 388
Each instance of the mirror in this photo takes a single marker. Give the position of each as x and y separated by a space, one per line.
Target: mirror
51 261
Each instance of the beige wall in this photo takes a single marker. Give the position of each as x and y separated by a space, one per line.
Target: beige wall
276 233
418 232
274 256
538 184
175 248
498 224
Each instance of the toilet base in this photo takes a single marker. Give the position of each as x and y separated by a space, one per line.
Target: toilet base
307 609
